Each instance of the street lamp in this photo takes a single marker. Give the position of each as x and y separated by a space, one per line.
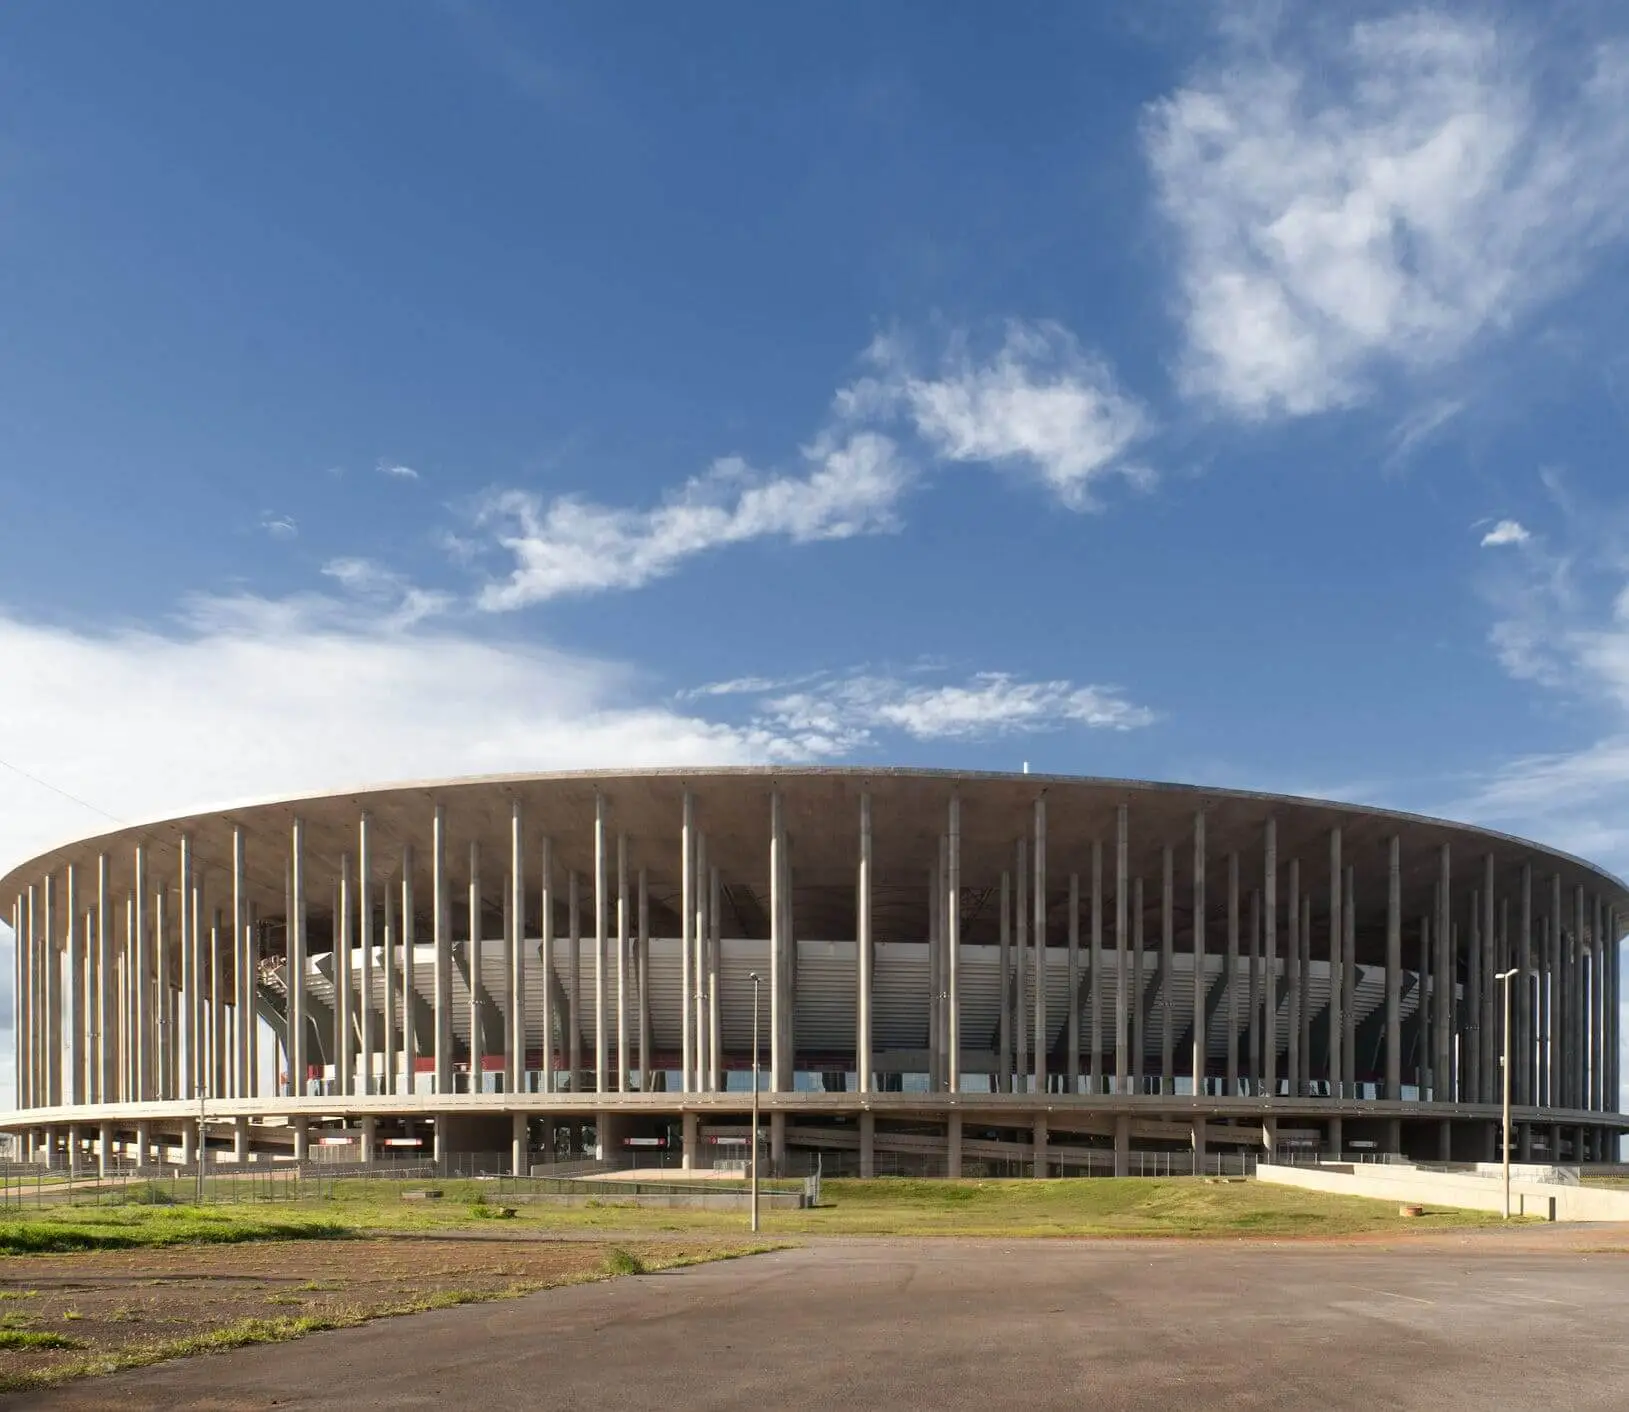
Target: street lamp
755 978
1504 979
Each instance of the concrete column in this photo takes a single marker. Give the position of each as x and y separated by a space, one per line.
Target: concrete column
370 1129
1304 1001
1043 1031
240 1141
698 968
519 1156
935 954
1394 1135
1336 1027
1394 971
1257 965
438 1149
1121 937
953 1146
777 849
1579 952
442 903
146 1088
1269 1135
144 1144
1349 982
189 1144
1201 1149
517 951
1522 1077
474 955
545 961
1072 1020
344 939
104 1148
73 1048
646 1046
364 937
953 953
1038 1140
1122 1145
410 1046
715 993
622 1084
1167 970
389 1059
1231 1074
868 1142
1445 1141
1492 962
688 983
1443 973
1139 1036
1471 1040
1097 989
1201 1039
1269 961
1297 1059
574 981
19 1003
777 1143
692 1142
863 956
1334 1137
1020 941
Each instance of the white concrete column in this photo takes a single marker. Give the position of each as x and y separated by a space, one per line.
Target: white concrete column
692 1142
190 1073
1349 982
367 1147
242 977
1253 1068
1200 1037
863 955
73 1083
574 979
1471 1040
364 936
389 940
51 991
1231 1073
1443 971
441 905
1098 991
104 1148
1072 1021
1167 970
935 955
409 979
344 940
1139 1037
145 1087
777 849
517 950
1298 1057
1522 1078
217 1009
688 982
715 994
647 1049
1269 948
1393 1089
240 1141
777 1143
953 961
1043 1031
545 960
19 1003
698 967
622 1084
1021 969
519 1155
302 1139
475 956
105 994
601 909
1337 932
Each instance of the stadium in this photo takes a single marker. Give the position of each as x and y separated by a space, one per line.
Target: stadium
933 972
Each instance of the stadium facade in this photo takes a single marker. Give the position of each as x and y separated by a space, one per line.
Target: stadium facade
951 971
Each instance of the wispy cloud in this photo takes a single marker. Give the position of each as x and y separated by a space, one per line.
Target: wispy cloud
1506 532
398 470
390 598
279 526
835 715
1377 203
1041 404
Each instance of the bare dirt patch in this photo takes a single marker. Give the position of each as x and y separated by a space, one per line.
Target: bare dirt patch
68 1315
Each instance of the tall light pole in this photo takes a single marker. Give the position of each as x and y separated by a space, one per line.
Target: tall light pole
1504 979
755 978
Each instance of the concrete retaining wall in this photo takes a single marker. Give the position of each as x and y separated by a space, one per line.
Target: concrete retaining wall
1404 1184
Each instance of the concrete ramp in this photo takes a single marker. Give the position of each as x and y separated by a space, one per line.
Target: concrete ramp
1469 1191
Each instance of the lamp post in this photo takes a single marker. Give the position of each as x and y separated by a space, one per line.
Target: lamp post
1504 979
755 979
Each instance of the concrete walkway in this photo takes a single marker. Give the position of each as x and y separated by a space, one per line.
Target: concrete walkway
1508 1318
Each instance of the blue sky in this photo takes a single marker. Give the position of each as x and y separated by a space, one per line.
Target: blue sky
403 390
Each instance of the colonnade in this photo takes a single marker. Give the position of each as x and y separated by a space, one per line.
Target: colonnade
171 989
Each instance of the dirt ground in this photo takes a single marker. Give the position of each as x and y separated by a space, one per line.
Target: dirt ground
114 1307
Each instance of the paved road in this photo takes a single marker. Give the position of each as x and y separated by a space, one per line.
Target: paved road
1441 1323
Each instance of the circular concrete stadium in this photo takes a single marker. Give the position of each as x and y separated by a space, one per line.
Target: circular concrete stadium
946 973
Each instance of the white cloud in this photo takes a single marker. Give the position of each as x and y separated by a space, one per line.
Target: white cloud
279 526
1506 532
572 546
386 592
400 472
1041 403
1378 203
245 697
840 715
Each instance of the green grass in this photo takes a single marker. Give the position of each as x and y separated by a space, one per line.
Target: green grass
36 1338
64 1229
623 1262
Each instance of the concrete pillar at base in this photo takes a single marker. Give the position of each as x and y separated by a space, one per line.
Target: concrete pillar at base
1445 1140
1199 1146
1334 1138
953 1146
144 1144
240 1141
1122 1145
547 1139
1578 1149
1555 1143
1491 1150
104 1148
519 1145
1394 1135
868 1144
1524 1137
72 1162
692 1142
1038 1139
1269 1135
48 1145
189 1144
302 1140
370 1127
777 1143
